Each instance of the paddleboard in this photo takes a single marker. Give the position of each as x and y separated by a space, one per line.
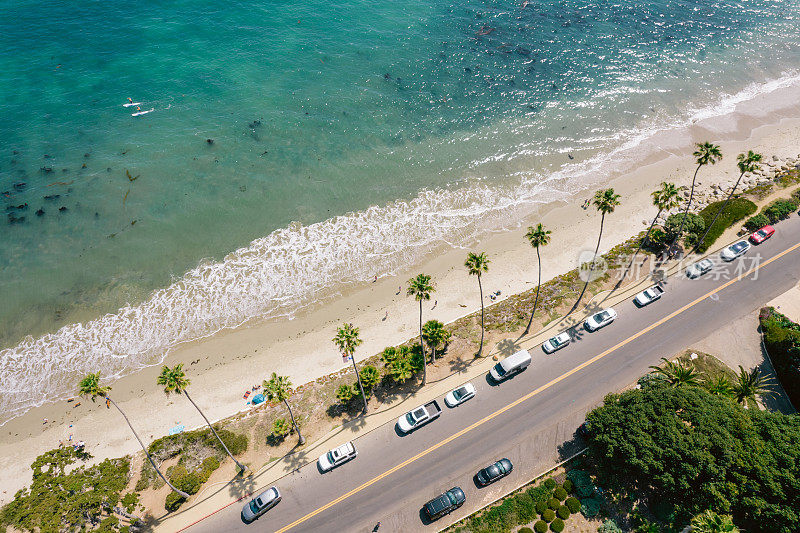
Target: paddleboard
129 104
143 112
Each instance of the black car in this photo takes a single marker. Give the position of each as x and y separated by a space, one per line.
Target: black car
446 503
493 472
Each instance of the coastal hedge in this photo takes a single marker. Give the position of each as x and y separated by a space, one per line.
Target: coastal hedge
782 341
563 512
525 530
736 210
526 507
540 526
573 503
173 501
550 483
780 210
541 506
560 493
756 222
557 525
567 485
548 515
554 503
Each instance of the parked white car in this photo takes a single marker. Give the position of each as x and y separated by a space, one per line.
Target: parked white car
648 295
261 504
598 320
698 269
460 395
734 250
337 456
556 343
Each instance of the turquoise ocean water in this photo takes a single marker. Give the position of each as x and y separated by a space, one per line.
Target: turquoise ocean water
348 139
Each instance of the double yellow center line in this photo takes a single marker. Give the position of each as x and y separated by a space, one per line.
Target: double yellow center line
532 393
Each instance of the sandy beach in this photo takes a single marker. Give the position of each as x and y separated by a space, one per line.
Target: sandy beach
224 366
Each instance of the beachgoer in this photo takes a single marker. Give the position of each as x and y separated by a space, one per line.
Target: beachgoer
130 100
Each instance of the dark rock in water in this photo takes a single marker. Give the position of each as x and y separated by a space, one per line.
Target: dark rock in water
46 169
96 215
22 207
62 209
47 156
467 69
387 76
210 141
39 212
108 169
65 170
86 155
20 186
13 219
52 197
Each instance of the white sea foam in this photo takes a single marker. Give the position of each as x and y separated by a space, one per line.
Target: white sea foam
292 267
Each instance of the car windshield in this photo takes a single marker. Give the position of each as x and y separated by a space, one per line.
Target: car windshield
602 315
410 418
331 457
761 233
452 498
500 467
460 393
499 369
255 506
739 246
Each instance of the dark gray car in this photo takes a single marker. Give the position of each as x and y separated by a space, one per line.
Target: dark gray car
494 471
446 503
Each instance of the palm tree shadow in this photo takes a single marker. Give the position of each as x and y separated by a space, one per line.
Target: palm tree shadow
576 332
508 347
459 365
240 487
295 460
355 424
145 525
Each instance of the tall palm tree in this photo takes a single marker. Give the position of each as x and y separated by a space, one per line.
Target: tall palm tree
278 388
748 162
91 386
435 335
706 153
605 201
421 288
478 264
538 237
175 380
748 385
665 199
677 374
711 522
347 340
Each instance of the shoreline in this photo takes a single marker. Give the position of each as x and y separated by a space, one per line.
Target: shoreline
231 361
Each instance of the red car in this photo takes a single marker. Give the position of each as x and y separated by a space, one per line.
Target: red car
762 235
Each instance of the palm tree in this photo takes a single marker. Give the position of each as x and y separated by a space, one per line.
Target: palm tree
677 374
748 162
435 335
175 380
605 201
347 340
706 153
421 288
711 522
90 386
719 386
538 237
478 264
748 385
278 388
665 199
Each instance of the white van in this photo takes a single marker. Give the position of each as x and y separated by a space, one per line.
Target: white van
510 365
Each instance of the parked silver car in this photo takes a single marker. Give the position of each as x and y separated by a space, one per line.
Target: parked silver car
556 343
598 320
337 456
261 504
698 269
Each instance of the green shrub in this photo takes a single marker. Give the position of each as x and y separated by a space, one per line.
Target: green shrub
129 501
236 442
780 210
756 222
609 526
345 393
540 526
526 507
582 482
796 195
736 210
567 485
539 493
554 503
173 501
190 483
370 376
548 515
560 493
563 512
207 468
525 530
541 506
557 525
573 504
590 507
694 224
281 427
550 483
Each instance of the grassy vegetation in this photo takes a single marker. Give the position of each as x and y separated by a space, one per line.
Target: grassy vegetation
782 340
736 210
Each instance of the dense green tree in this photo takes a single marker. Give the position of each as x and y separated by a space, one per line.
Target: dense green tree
435 335
687 449
679 223
477 264
174 380
279 388
402 362
421 288
537 237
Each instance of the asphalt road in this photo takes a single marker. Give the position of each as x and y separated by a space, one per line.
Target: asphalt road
394 475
